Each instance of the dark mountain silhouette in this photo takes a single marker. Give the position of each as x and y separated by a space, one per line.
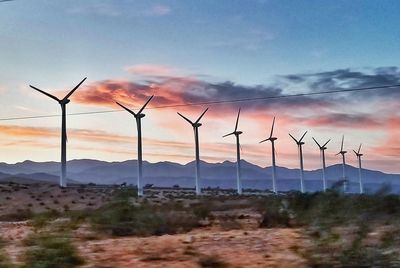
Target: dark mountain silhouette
213 174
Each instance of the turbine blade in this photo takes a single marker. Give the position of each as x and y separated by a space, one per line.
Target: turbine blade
355 152
73 90
141 110
264 140
272 128
45 93
302 137
237 120
228 134
341 148
326 143
359 148
190 122
293 138
198 120
317 143
129 111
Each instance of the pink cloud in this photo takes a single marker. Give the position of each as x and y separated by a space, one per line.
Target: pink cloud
154 70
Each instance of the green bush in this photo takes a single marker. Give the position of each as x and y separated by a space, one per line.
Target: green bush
121 218
49 251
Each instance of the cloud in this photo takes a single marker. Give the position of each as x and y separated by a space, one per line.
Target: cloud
99 9
172 91
152 70
344 120
157 10
347 78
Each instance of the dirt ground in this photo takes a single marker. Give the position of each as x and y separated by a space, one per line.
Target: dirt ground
204 247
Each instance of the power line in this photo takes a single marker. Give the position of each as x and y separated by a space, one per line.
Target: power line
214 102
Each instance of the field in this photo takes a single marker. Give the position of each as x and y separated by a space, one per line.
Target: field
44 226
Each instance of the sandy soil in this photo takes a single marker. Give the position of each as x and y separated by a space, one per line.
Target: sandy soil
235 248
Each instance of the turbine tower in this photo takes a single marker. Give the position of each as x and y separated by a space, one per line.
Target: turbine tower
63 103
196 126
359 168
322 153
300 144
343 164
272 140
238 172
138 116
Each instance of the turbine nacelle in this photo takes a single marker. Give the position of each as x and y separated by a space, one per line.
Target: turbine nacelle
64 101
300 141
358 152
195 124
235 132
138 115
272 139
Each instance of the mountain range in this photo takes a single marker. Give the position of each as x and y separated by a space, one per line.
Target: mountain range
168 174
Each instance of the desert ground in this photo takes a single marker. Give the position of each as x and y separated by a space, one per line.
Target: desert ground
42 225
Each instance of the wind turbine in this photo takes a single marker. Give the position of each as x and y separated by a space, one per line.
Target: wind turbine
272 140
300 144
138 116
196 126
359 168
238 172
322 153
343 164
63 102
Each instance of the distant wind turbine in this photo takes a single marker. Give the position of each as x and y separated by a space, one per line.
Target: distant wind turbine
343 164
196 126
300 144
238 171
138 116
359 168
272 140
63 102
322 153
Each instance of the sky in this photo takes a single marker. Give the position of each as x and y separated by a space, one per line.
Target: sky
197 52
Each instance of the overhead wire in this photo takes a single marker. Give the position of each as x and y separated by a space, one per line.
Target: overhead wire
213 102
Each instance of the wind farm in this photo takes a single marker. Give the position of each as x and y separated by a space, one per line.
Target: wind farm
207 134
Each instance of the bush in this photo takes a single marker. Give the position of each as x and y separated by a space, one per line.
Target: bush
51 251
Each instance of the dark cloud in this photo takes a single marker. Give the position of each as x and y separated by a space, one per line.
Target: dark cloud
365 121
347 78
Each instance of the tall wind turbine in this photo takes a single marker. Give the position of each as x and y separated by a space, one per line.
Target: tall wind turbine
238 172
196 126
322 153
359 168
138 116
272 140
63 102
343 164
300 144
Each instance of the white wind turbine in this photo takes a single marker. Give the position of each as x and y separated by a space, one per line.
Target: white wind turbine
196 126
300 144
63 103
359 168
272 140
322 153
138 116
343 165
238 171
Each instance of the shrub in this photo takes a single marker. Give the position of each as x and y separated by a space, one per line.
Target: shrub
211 262
48 251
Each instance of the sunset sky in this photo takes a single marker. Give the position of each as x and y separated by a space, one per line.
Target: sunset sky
201 51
